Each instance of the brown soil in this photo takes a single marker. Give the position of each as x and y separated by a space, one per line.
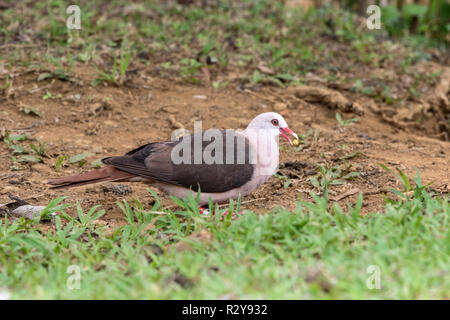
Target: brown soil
110 120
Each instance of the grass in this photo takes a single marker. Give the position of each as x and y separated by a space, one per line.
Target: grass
345 123
320 250
219 39
35 154
118 73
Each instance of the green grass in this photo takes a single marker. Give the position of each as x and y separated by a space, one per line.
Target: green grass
319 250
182 41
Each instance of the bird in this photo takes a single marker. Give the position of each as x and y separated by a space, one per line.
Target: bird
218 164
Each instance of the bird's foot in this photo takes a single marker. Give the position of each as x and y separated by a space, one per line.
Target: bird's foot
205 211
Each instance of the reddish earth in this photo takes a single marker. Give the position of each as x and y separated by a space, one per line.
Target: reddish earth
111 120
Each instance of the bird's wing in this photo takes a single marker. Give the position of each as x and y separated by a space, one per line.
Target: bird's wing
156 161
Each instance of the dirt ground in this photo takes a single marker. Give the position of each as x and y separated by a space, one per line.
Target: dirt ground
111 120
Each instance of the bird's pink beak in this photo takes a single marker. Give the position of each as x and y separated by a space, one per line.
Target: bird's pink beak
285 131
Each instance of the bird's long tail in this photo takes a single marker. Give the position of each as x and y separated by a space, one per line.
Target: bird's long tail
108 173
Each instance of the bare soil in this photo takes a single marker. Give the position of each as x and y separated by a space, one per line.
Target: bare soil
111 120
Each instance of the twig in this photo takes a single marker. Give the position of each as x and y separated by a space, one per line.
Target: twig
175 123
345 195
158 212
243 202
39 89
19 45
370 193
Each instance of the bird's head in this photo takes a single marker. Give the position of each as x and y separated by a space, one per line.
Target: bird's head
272 123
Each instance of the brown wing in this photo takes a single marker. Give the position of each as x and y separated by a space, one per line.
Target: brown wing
155 161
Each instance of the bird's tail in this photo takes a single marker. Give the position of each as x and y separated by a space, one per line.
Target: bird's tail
108 173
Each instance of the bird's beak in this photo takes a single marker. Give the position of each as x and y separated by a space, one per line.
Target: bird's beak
285 131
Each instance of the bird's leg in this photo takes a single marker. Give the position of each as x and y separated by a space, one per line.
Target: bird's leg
204 210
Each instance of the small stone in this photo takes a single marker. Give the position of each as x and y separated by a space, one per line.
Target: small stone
279 106
212 60
97 149
39 166
110 104
73 98
96 108
28 211
110 123
364 135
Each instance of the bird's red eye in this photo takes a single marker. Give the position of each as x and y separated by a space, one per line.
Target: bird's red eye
274 122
